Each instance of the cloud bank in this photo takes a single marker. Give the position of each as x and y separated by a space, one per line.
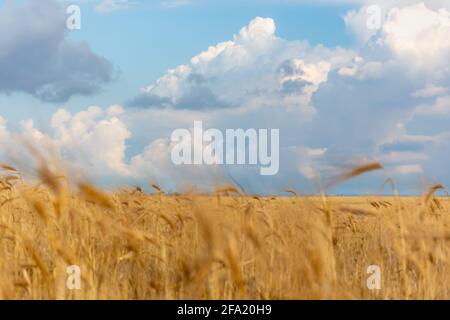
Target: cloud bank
384 99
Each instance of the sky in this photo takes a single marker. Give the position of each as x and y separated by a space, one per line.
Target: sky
345 81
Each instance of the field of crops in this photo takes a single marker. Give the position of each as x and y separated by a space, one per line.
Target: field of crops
134 245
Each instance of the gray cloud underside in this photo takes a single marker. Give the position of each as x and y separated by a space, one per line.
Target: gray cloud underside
37 58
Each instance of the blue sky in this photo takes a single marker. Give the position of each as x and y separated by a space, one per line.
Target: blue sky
129 37
108 96
132 37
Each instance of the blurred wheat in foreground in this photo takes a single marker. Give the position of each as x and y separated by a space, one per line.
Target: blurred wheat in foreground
132 245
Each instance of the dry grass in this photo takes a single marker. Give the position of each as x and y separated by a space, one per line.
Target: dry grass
132 245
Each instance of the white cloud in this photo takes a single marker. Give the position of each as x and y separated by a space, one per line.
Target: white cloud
411 33
430 91
91 141
154 160
440 107
408 169
347 103
419 33
331 104
308 171
93 138
253 70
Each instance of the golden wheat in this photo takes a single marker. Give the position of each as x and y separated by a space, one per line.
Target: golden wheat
133 245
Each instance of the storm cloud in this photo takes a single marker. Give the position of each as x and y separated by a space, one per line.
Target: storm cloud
37 58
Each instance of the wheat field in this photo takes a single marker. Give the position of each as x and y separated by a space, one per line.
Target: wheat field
129 244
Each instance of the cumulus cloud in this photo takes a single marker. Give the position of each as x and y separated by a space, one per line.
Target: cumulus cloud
93 138
334 106
386 99
155 163
414 36
92 141
255 69
418 33
410 30
400 76
37 58
368 19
